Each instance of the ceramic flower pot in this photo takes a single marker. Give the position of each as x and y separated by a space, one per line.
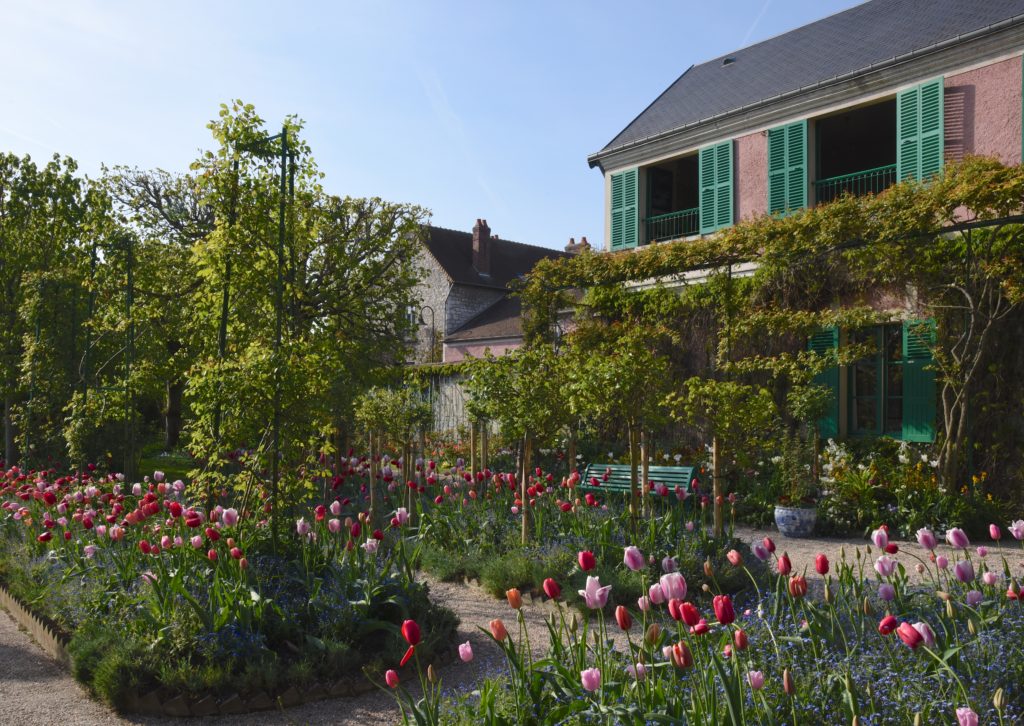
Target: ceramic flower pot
795 521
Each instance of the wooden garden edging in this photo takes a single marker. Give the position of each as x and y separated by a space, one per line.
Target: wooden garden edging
163 701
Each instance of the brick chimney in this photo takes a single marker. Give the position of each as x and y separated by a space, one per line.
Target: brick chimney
482 247
574 249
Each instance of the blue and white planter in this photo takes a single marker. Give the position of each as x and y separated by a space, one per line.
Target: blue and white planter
795 521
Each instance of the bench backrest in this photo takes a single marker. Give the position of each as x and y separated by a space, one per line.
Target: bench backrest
618 476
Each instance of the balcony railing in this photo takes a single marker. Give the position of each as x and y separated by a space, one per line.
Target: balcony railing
870 181
673 225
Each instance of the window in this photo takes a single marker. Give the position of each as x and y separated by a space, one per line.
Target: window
876 383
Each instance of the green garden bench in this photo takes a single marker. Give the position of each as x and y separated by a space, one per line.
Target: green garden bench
618 478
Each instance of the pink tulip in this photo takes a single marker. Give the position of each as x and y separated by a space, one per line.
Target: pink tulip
334 525
957 538
302 527
942 562
880 538
673 585
964 571
756 680
994 532
229 517
391 678
466 652
656 594
402 515
335 507
927 635
966 717
885 566
669 564
90 550
989 578
1017 529
643 603
370 546
591 679
638 671
926 539
197 541
982 552
633 558
760 551
594 595
158 476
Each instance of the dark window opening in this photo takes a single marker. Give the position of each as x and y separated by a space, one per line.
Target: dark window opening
856 151
876 383
673 195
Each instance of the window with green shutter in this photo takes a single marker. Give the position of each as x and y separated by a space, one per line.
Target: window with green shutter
625 223
826 342
919 393
716 196
920 130
787 167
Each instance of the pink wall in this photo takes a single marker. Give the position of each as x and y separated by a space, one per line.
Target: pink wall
983 112
751 175
453 353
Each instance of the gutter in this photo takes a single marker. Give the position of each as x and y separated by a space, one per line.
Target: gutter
595 159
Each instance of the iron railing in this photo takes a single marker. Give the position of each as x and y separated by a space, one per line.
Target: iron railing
673 225
859 184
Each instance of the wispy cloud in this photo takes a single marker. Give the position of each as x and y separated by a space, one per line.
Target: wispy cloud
757 21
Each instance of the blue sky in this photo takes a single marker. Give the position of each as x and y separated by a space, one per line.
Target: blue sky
471 109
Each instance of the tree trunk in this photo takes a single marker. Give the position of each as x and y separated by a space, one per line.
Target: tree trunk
9 452
374 514
472 448
645 471
571 453
525 483
172 414
634 463
485 440
716 486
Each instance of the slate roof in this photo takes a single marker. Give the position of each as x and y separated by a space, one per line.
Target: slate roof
838 45
454 252
503 319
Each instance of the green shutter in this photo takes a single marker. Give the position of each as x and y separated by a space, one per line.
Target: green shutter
919 392
624 209
920 130
787 167
716 195
825 342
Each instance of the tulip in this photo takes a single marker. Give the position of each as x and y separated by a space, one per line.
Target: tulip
1017 529
229 517
623 618
212 555
821 564
370 546
966 717
942 562
787 682
498 630
994 532
402 515
887 625
47 536
927 635
587 560
675 609
466 652
926 539
768 544
594 595
734 557
797 586
784 566
90 550
957 538
724 610
989 578
909 635
740 639
391 678
515 598
591 679
708 572
682 658
886 592
760 551
974 597
701 628
212 534
964 571
302 527
633 558
756 680
688 613
334 525
673 585
335 508
411 632
880 538
552 589
885 566
638 671
197 541
669 564
656 594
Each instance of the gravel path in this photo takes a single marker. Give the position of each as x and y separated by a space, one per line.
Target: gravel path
35 690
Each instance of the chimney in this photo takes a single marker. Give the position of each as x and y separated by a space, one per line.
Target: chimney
574 249
482 247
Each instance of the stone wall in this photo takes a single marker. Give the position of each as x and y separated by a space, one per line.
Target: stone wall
431 291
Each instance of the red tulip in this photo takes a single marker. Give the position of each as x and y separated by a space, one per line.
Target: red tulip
681 655
909 635
768 544
45 537
378 535
320 511
784 565
821 564
723 609
213 534
797 586
734 557
740 639
689 614
145 547
887 625
391 678
787 682
236 553
892 548
411 632
212 554
587 560
623 618
552 589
